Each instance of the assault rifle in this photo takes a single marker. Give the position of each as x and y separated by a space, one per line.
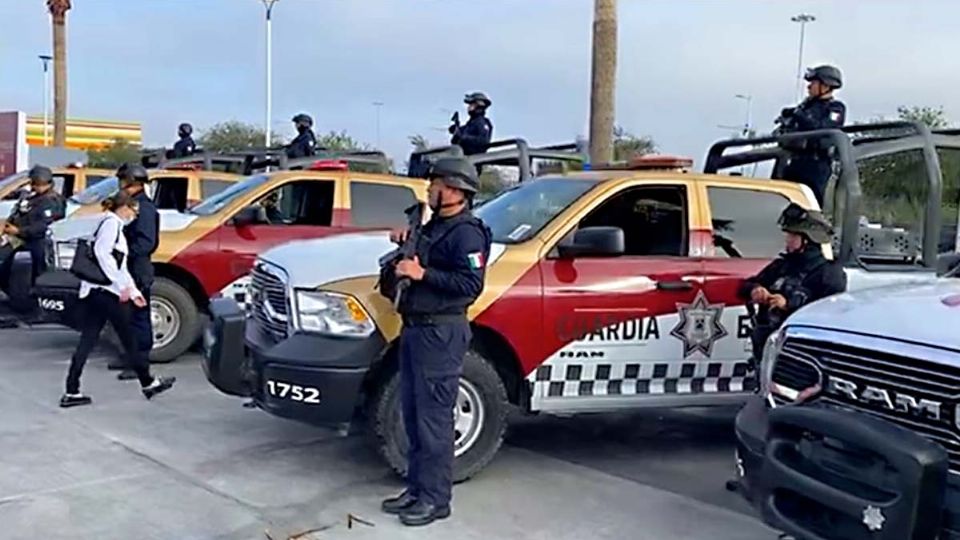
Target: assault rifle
390 285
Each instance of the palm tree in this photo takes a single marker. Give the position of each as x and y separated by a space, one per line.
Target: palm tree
58 15
603 80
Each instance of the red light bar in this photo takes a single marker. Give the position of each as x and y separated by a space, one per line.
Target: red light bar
186 167
328 165
660 161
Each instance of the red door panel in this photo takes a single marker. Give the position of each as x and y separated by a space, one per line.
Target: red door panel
722 280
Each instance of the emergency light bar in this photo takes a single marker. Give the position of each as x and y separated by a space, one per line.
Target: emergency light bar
328 165
660 161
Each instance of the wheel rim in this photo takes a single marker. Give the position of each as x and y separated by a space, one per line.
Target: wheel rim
468 417
165 321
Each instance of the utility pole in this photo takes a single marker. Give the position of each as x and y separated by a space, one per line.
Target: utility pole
58 16
46 58
803 19
268 7
603 80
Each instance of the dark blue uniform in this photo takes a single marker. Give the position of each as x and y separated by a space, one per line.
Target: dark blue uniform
32 216
143 236
184 147
812 165
433 342
474 137
801 277
304 145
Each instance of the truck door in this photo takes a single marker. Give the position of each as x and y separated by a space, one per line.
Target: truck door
746 237
296 210
611 324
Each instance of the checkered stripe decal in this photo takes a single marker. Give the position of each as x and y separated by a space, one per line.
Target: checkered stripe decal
571 380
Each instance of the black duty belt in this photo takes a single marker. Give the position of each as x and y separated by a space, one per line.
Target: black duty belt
433 320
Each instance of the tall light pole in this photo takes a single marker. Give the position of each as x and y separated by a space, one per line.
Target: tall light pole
377 105
603 81
747 126
46 58
803 19
268 6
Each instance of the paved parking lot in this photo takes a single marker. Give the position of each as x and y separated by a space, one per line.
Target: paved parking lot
194 464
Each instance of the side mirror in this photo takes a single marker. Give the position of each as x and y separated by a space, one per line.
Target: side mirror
250 215
593 242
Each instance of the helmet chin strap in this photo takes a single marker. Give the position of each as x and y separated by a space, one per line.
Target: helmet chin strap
451 204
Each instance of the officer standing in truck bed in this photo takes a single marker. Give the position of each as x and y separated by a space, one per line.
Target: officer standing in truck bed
446 276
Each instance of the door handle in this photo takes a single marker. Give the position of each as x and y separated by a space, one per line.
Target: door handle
678 285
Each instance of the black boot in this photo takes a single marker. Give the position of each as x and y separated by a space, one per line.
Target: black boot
395 505
423 514
74 400
160 384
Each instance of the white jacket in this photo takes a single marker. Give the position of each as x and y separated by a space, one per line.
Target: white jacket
110 238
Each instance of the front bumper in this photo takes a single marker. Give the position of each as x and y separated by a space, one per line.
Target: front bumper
305 377
753 431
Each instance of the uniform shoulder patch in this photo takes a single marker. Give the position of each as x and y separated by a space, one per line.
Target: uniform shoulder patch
476 260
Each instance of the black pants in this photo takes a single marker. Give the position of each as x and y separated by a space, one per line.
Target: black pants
812 171
96 309
431 360
38 261
142 326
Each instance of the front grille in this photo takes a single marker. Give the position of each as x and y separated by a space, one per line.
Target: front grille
872 370
268 303
795 370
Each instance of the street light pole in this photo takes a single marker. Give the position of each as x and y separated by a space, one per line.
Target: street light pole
378 104
748 126
268 6
803 19
46 58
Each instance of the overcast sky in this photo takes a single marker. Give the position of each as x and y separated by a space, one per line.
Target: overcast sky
680 63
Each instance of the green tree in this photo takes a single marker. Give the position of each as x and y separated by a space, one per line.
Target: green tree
933 118
234 136
112 156
491 182
340 140
627 145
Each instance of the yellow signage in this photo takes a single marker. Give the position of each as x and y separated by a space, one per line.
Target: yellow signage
85 134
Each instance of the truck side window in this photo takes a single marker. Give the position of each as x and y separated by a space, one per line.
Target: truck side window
171 194
653 219
379 205
211 186
745 222
305 202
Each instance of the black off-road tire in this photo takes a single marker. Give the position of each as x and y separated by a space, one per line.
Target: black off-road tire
386 425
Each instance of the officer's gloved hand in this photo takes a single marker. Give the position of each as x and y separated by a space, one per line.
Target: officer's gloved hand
787 112
453 128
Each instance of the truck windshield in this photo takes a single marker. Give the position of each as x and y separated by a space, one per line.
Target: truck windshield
212 205
97 192
519 213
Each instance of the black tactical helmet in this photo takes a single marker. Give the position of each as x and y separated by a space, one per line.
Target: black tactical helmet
185 130
810 223
478 97
828 75
303 119
457 173
40 174
132 173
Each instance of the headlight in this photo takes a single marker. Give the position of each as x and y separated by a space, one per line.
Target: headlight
64 253
769 357
332 314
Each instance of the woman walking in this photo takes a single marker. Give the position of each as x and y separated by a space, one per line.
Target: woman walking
100 303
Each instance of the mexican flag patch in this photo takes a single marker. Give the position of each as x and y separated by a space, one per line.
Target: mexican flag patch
476 260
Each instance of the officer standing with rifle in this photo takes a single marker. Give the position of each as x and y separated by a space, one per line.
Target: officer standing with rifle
812 164
26 228
798 277
305 143
185 146
143 237
473 137
445 276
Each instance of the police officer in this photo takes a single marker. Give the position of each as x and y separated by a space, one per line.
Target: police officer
812 164
143 236
446 276
473 137
305 143
185 146
798 277
26 228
